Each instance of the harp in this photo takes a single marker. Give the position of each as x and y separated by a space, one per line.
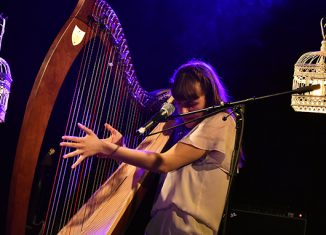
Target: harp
87 76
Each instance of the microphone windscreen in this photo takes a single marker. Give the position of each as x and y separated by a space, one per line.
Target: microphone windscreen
168 108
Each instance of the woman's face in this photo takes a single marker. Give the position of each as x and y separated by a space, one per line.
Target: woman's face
185 106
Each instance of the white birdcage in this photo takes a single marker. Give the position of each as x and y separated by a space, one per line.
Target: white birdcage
5 78
310 69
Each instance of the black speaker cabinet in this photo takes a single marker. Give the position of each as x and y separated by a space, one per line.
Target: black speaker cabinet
255 222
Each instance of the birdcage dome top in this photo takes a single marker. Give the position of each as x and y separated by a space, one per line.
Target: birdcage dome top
311 62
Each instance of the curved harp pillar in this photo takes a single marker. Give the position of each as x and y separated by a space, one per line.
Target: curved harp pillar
103 85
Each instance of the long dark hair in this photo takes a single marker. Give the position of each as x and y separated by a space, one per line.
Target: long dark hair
187 75
183 86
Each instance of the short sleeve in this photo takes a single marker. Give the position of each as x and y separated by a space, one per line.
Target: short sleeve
212 133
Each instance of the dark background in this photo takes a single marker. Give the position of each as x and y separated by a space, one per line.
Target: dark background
252 44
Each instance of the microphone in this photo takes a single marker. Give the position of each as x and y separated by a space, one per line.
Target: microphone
307 88
166 111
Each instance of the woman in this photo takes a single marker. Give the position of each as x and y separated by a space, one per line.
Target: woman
194 191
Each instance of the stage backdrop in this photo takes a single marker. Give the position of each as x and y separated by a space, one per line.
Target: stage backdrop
252 44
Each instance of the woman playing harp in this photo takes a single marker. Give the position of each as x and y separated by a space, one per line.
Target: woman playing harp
193 194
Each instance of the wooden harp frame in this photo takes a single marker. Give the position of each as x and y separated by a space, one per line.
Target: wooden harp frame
44 92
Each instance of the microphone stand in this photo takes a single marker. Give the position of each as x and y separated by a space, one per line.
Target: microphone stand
237 108
239 119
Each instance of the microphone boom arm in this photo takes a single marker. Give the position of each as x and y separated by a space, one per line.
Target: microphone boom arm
224 106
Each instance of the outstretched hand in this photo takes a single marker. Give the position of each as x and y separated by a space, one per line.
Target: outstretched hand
85 146
90 144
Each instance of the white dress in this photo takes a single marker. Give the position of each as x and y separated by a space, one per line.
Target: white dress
192 197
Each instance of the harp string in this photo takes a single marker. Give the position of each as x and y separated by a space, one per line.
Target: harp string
102 94
60 176
100 168
113 111
98 102
92 119
75 187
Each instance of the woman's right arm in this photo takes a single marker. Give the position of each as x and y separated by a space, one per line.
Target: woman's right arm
89 145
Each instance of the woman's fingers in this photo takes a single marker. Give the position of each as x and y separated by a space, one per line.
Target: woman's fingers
110 128
79 160
72 154
113 132
70 144
115 137
84 128
71 138
107 126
